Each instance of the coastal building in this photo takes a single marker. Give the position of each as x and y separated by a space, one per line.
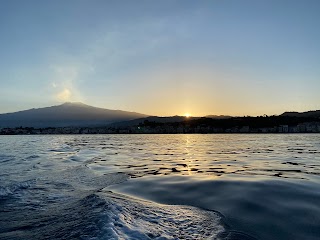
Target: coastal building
245 129
293 129
283 129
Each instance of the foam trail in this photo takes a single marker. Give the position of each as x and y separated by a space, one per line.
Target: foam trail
128 218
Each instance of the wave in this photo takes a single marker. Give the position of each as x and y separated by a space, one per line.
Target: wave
107 215
6 158
14 188
137 219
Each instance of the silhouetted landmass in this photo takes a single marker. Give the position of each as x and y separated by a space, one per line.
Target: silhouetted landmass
218 116
262 124
78 118
312 114
65 115
154 119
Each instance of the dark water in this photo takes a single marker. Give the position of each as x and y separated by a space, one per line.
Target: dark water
160 187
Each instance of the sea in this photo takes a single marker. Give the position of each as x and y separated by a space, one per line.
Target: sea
183 186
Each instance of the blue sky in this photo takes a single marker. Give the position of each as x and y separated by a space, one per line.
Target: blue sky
162 57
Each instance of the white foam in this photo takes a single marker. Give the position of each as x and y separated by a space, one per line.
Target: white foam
128 218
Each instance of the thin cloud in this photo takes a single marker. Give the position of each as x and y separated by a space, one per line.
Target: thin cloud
64 95
64 83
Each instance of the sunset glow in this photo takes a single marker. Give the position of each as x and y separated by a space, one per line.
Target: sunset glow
171 119
156 57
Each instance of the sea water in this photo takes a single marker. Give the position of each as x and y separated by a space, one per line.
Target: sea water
223 186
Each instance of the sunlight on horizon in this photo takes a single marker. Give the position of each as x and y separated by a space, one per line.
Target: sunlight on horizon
172 55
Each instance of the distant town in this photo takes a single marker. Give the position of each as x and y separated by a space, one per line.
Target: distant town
205 125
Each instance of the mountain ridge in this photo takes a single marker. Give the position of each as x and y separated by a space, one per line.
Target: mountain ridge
78 114
66 114
312 113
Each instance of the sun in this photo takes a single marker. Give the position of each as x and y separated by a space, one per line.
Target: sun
187 115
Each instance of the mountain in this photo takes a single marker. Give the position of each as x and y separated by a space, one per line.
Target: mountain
65 115
309 114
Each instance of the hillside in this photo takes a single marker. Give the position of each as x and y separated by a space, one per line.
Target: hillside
309 114
67 114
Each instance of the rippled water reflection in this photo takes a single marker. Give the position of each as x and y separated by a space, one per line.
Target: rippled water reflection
285 156
266 186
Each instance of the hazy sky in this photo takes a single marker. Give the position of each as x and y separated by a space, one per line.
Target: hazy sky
238 57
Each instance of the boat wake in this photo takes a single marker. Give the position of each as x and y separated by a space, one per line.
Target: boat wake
67 213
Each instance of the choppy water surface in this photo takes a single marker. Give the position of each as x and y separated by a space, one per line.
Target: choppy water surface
160 187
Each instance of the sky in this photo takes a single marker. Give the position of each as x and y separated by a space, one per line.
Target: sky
168 57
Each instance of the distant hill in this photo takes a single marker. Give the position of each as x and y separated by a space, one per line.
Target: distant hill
155 119
218 116
173 119
65 115
309 114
